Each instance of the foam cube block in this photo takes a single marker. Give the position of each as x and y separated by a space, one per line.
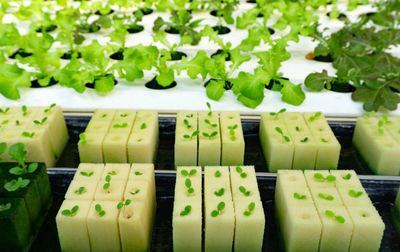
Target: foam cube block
187 227
103 228
91 148
185 148
72 229
115 147
232 152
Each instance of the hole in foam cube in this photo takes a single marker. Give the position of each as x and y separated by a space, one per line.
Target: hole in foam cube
364 214
388 144
305 216
128 213
116 138
292 178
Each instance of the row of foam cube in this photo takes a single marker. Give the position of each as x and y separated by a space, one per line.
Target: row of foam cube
326 211
233 212
22 209
120 136
208 138
42 129
378 142
298 141
114 217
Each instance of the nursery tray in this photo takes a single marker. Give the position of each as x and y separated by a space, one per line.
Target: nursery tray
382 191
349 157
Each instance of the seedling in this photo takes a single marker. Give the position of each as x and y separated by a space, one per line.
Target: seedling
194 134
143 126
347 177
137 173
99 210
108 182
112 173
186 122
355 194
122 125
320 177
189 116
219 192
41 122
50 107
209 109
18 153
135 192
232 131
324 140
241 172
325 197
220 208
211 125
250 209
4 122
17 123
370 114
81 190
243 190
86 174
338 218
123 115
71 212
304 140
82 138
297 128
279 130
315 116
217 174
213 134
299 196
4 111
185 173
186 210
188 184
276 114
27 134
5 207
123 204
385 119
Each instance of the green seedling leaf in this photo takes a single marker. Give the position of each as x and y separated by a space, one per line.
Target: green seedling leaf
220 192
81 190
32 167
27 134
250 209
186 210
184 172
325 197
135 192
304 140
324 140
143 126
138 173
347 177
318 176
239 169
355 194
329 213
209 108
221 206
71 212
217 174
16 184
243 190
186 122
82 138
192 172
5 207
299 197
86 174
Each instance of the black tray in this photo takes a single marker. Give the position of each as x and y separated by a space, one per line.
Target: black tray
382 192
349 157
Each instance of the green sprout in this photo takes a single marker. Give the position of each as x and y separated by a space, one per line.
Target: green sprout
320 177
27 134
17 123
325 197
243 190
4 122
99 210
217 174
213 134
315 116
135 192
276 114
338 218
16 184
4 111
82 138
241 172
143 126
189 116
185 173
297 128
209 109
355 194
112 173
279 130
304 140
18 153
186 210
347 177
24 110
250 209
123 115
194 134
211 125
232 131
5 207
186 122
71 212
371 114
86 174
103 115
137 173
81 190
299 196
380 126
41 122
107 184
188 184
49 108
220 208
122 125
219 192
120 205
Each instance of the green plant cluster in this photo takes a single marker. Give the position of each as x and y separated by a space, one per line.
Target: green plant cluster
37 57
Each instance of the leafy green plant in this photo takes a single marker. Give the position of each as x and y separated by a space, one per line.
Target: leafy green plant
223 10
